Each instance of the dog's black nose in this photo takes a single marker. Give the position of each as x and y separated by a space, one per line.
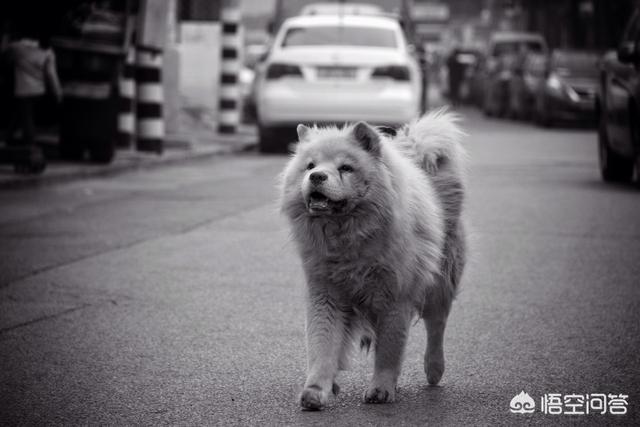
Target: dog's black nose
317 177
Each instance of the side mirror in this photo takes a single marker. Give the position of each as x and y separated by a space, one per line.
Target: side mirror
627 52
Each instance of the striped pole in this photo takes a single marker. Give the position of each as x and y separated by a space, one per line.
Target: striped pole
229 107
127 105
149 100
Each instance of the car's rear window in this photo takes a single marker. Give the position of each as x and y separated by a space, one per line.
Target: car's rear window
340 35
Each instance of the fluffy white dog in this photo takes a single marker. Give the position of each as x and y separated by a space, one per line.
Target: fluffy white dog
377 224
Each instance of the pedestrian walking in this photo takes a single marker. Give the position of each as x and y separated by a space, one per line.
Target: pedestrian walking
34 74
456 74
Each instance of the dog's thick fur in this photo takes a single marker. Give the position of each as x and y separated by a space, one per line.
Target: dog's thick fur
377 224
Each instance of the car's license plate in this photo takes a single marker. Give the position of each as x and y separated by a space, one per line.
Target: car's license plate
336 72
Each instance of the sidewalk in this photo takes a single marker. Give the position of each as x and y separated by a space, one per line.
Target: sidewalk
175 151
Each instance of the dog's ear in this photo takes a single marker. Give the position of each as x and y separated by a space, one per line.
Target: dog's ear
303 131
367 137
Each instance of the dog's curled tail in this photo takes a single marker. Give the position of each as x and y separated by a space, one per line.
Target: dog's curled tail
435 140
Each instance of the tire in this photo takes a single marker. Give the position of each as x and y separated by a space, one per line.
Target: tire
542 117
613 167
503 100
71 150
32 161
512 110
102 152
485 105
267 140
501 109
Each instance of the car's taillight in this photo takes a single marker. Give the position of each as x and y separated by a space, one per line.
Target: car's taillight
396 72
276 71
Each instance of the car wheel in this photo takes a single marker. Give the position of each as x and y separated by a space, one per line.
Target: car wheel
269 141
503 101
527 114
71 151
486 105
542 117
613 167
265 140
30 161
503 109
512 108
102 151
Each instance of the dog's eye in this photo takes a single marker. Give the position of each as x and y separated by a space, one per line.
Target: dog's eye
310 166
345 168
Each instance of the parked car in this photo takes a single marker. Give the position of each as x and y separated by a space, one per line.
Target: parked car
568 90
335 69
505 51
617 106
527 81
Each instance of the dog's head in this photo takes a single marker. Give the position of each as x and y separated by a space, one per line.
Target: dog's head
332 171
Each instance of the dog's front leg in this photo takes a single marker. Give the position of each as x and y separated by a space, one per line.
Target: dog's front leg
391 336
325 339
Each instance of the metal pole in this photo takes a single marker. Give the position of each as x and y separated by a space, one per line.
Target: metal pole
150 100
229 106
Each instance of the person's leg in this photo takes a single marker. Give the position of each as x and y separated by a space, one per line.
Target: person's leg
26 108
30 158
13 123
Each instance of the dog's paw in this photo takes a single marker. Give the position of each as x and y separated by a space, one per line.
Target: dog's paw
313 398
379 395
434 368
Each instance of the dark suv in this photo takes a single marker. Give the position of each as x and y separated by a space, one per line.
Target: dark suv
505 52
617 106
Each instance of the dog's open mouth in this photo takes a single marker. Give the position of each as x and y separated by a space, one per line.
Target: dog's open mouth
319 203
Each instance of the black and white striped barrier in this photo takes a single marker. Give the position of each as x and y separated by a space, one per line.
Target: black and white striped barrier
127 102
229 107
150 99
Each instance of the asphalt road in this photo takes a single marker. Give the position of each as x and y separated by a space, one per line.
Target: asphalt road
174 296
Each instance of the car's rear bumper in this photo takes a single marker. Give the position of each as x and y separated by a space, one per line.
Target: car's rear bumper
283 103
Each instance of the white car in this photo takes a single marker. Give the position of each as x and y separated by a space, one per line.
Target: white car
332 69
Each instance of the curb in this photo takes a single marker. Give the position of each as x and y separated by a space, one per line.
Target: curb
169 157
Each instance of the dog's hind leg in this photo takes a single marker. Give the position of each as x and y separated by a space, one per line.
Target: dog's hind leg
436 312
434 355
391 336
326 333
